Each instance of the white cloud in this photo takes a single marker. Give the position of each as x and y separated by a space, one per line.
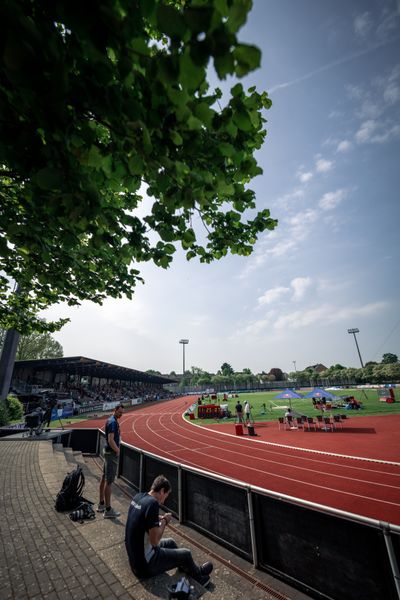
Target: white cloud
365 131
327 313
389 23
331 199
300 285
255 328
354 92
391 93
323 166
303 218
335 114
343 146
362 24
272 295
374 133
304 177
370 110
285 201
390 133
367 310
282 248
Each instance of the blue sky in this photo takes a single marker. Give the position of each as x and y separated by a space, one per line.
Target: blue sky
332 178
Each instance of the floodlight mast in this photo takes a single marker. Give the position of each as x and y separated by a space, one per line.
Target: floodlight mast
184 343
354 331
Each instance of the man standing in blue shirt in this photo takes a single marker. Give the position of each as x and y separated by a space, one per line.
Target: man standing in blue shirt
111 454
148 554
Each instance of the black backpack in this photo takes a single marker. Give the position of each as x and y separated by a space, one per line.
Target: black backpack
70 495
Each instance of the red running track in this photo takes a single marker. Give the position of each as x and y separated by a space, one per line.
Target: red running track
368 486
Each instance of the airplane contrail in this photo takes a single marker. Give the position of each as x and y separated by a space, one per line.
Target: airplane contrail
335 63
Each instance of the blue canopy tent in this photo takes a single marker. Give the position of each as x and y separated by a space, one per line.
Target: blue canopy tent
288 395
320 393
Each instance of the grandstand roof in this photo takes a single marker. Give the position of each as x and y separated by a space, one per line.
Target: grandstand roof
80 365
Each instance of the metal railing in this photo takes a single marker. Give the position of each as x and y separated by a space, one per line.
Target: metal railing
325 552
322 551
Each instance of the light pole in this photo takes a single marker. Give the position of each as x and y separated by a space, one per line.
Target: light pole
354 331
294 363
184 343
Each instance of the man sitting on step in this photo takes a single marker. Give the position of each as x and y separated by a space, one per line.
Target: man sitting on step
148 554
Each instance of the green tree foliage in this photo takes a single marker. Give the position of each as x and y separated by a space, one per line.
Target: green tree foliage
4 416
97 100
389 358
277 374
226 369
15 408
38 345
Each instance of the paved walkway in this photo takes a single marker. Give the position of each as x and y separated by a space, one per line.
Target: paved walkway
44 555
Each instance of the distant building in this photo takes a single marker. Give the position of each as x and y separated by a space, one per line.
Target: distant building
318 368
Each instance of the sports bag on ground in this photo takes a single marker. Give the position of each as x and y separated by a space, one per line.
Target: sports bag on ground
83 512
70 495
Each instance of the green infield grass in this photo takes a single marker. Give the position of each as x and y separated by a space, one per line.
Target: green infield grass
266 407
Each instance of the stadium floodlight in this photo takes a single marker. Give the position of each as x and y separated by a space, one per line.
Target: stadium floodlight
184 343
354 331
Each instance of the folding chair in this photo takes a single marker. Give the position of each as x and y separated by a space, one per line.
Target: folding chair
309 422
328 424
337 421
320 421
281 422
299 422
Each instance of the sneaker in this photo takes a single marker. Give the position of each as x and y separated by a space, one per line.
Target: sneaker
206 568
111 514
101 507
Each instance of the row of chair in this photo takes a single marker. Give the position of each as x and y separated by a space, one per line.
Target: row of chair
319 422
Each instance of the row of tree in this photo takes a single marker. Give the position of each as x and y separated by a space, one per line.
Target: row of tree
386 371
43 345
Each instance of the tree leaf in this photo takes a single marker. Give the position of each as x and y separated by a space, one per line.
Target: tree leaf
191 76
248 58
170 21
242 120
49 178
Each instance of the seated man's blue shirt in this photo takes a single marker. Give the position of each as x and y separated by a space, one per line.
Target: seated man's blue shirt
142 516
